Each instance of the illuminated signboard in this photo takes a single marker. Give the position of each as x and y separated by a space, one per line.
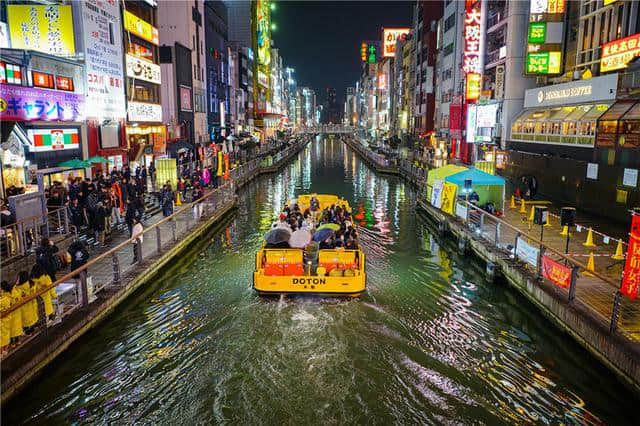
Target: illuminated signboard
185 98
141 28
64 83
382 81
373 54
141 111
472 65
143 70
618 53
43 80
363 52
47 29
545 35
608 2
43 140
263 32
389 38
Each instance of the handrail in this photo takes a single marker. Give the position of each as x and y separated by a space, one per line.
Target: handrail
536 241
109 252
31 219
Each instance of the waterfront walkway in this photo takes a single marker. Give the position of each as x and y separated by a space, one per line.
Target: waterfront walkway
115 273
586 309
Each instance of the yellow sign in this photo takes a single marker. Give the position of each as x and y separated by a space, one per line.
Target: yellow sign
141 28
449 197
608 2
47 29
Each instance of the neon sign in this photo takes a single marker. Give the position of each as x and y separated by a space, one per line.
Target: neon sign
389 38
472 65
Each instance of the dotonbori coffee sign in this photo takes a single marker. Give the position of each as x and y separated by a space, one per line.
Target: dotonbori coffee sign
143 70
594 89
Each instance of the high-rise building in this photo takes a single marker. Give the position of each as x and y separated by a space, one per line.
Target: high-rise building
220 114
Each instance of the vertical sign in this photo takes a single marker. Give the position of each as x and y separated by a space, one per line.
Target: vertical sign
631 277
472 62
102 36
544 37
389 38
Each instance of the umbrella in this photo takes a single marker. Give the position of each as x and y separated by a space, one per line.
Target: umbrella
278 235
300 238
97 159
322 234
75 164
332 226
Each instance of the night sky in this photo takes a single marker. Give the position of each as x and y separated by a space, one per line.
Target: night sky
321 39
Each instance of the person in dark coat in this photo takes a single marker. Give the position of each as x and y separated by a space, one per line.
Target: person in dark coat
130 214
79 255
45 257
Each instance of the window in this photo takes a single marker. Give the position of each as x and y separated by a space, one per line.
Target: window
450 22
447 74
448 50
195 71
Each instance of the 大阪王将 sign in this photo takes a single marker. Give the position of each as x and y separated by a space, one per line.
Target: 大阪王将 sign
18 103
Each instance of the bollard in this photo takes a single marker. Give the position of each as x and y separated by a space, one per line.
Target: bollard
116 268
158 239
615 312
173 229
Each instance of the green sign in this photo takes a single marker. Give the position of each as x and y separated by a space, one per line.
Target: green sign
543 63
537 32
372 54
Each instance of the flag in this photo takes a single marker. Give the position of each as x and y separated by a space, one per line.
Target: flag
631 277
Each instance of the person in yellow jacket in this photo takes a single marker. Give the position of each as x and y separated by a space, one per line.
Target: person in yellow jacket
5 323
42 280
17 329
29 310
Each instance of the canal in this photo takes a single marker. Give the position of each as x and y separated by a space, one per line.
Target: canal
430 341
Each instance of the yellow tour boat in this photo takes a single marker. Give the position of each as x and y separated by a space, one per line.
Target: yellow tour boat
311 270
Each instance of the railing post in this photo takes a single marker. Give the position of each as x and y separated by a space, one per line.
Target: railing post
539 266
158 239
116 268
84 288
572 286
481 223
59 221
497 236
615 313
515 247
138 248
174 224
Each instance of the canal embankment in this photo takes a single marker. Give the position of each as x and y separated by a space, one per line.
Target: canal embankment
589 308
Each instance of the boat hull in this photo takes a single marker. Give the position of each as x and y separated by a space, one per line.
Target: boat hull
304 284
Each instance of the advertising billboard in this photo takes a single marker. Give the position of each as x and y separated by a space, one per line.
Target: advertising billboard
103 59
617 54
141 28
389 38
472 59
544 37
47 29
19 103
143 70
141 111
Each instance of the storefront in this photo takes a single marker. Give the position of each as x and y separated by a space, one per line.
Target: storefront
153 139
563 118
618 137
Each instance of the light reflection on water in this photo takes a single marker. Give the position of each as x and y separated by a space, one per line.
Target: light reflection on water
430 342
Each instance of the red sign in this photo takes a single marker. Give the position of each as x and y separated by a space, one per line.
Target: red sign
185 98
43 80
618 53
556 272
631 277
64 83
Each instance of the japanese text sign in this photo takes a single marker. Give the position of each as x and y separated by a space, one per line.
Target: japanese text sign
141 28
472 62
389 38
47 29
449 197
27 103
556 272
618 53
143 70
631 277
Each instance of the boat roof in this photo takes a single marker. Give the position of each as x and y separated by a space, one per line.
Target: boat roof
325 200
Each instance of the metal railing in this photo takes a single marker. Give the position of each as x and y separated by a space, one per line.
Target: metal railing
81 287
589 287
379 160
21 238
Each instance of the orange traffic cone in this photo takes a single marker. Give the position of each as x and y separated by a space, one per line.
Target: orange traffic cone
512 204
589 242
619 253
523 209
178 202
591 266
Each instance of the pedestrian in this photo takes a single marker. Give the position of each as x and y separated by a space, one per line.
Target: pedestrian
167 200
152 174
197 202
100 223
14 319
137 237
130 215
30 309
77 214
41 281
118 205
143 178
47 259
79 255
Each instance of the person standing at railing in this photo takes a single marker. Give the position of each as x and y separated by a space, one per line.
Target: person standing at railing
5 323
167 198
46 257
29 310
130 215
136 234
197 202
12 324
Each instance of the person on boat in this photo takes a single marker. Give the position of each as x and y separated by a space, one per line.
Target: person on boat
314 204
14 319
41 280
29 310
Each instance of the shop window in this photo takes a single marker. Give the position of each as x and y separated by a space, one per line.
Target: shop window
608 126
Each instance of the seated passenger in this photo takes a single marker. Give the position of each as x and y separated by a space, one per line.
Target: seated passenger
326 244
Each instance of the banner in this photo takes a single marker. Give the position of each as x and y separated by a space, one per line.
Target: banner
47 29
219 171
449 197
226 166
103 58
631 277
556 272
527 252
436 193
53 139
461 211
19 103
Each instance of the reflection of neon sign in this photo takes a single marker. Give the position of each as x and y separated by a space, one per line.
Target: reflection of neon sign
263 34
472 66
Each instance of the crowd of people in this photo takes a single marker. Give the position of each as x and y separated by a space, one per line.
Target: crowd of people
312 218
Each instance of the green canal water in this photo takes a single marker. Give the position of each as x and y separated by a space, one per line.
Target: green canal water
430 341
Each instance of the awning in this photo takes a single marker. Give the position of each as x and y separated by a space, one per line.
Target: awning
567 113
476 176
616 111
633 113
180 145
